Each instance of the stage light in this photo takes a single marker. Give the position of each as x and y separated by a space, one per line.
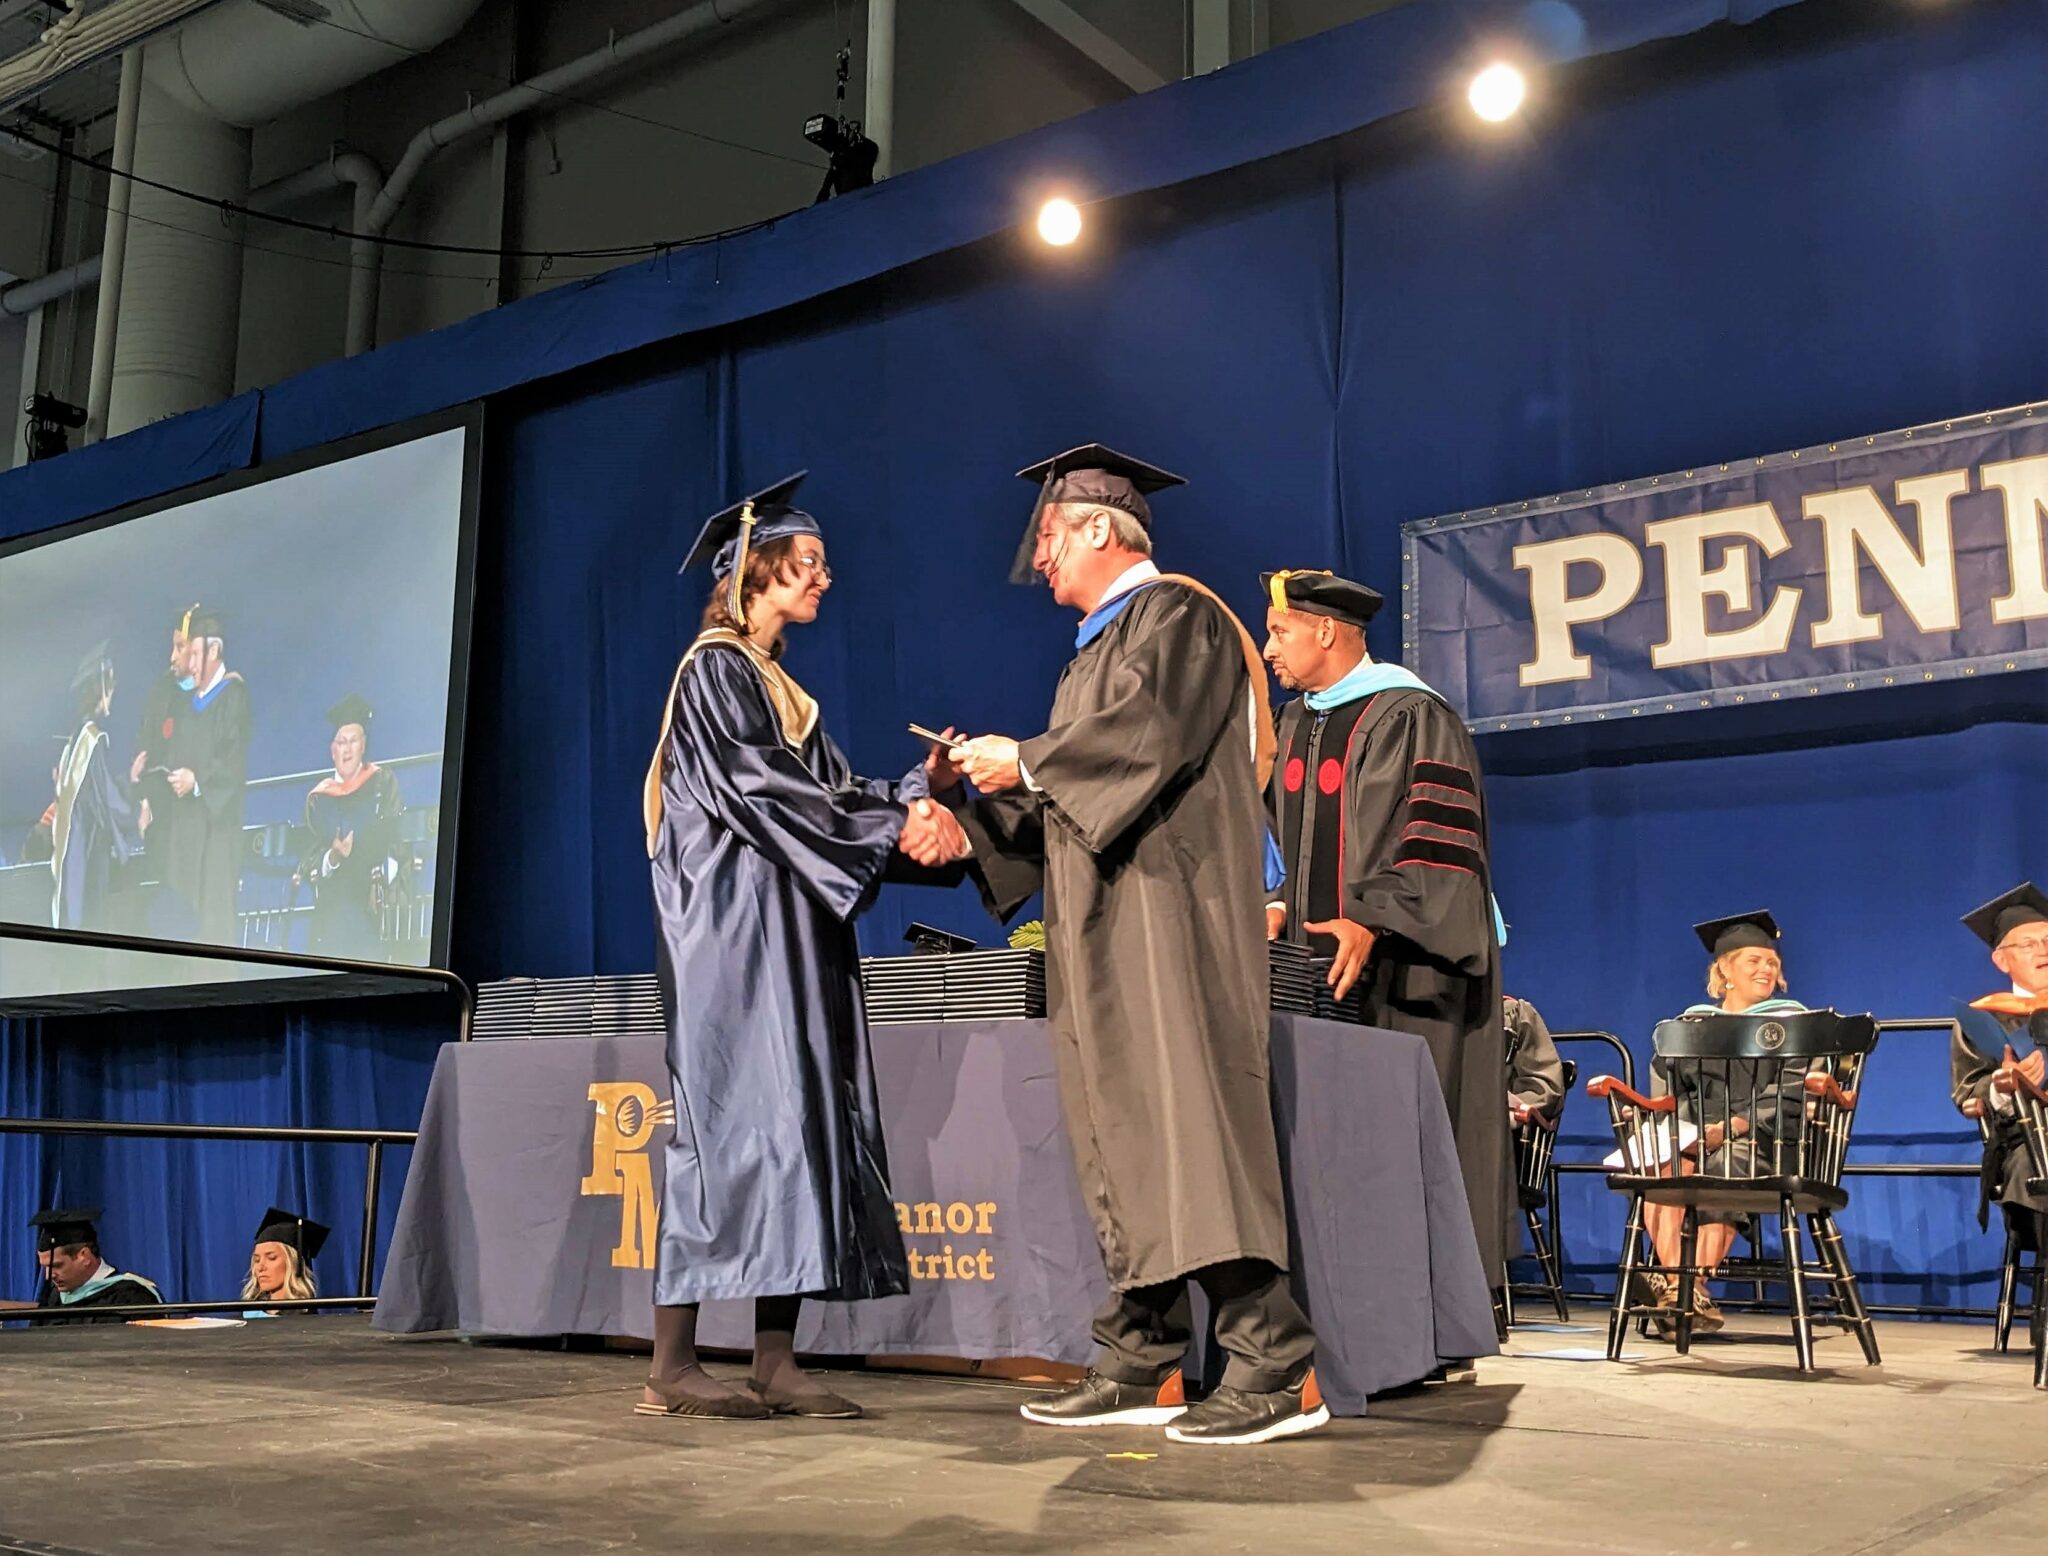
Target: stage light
1497 92
1059 222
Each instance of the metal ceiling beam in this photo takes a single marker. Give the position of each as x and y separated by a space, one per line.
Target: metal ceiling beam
82 39
1092 41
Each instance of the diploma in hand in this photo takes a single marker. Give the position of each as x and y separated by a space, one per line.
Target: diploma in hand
935 738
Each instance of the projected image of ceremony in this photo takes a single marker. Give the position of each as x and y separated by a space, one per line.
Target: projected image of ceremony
224 723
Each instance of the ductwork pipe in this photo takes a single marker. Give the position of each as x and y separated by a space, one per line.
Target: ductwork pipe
362 174
25 297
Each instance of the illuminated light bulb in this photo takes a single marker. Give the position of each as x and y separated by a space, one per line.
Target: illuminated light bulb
1496 92
1059 222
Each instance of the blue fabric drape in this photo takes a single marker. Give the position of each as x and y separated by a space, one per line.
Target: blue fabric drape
1815 227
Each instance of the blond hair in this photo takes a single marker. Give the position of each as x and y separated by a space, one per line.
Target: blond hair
299 1285
1717 980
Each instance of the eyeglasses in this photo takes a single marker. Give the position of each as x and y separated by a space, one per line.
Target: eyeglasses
815 565
2032 945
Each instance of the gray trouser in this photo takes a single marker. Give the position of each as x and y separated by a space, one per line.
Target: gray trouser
1144 1332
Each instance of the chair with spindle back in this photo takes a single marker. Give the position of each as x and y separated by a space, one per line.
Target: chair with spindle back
1762 1108
2021 1238
1536 1191
2032 1106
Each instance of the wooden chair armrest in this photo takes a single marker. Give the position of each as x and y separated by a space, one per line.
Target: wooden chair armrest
1825 1086
1602 1086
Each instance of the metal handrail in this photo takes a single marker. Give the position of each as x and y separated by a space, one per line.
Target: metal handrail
373 1176
10 930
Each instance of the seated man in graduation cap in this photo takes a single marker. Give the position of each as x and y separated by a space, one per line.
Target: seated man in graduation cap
1382 827
75 1277
2015 926
281 1260
1137 811
349 817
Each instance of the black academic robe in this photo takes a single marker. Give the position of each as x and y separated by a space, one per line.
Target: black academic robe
1975 1052
1535 1072
346 922
165 705
122 1291
1380 819
96 828
202 861
1147 837
764 848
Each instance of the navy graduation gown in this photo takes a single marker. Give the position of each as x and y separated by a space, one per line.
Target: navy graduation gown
96 828
764 850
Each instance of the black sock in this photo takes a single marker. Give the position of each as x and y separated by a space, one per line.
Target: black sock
775 1343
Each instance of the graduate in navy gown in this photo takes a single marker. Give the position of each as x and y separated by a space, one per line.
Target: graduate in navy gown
95 826
350 816
764 847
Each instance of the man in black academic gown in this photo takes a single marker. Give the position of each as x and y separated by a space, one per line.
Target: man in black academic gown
96 825
1376 802
2015 926
1138 812
75 1277
350 832
208 757
163 706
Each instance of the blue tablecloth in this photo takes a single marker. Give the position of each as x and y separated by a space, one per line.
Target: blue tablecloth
529 1208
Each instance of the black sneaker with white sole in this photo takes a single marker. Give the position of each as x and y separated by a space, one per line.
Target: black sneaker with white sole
1240 1418
1100 1401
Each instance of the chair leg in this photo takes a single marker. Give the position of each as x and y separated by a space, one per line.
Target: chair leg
2039 1326
1546 1257
2008 1285
1795 1281
1625 1277
1827 1237
1688 1265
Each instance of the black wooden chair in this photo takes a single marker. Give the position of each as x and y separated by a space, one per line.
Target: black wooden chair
2033 1112
1536 1192
1761 1108
2021 1239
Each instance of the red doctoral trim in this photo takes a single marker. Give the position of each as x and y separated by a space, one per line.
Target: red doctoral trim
334 786
1330 776
1296 769
169 725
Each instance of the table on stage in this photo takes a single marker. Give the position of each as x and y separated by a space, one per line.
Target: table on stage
530 1205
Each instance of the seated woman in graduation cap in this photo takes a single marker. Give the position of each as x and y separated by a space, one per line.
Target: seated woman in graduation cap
764 848
281 1261
1746 977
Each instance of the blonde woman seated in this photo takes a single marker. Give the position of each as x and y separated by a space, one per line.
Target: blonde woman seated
1745 978
281 1263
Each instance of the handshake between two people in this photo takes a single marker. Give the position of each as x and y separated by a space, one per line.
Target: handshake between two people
931 835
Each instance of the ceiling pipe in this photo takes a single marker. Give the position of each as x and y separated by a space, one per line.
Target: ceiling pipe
359 172
538 92
25 297
114 247
82 39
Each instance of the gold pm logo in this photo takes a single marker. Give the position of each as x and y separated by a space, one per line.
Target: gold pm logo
628 1113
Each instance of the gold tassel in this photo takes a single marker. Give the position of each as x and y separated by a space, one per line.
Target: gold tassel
1279 583
739 567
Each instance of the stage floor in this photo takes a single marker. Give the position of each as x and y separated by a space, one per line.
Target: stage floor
317 1435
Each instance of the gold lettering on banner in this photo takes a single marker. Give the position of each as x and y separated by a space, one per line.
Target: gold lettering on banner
951 1260
628 1113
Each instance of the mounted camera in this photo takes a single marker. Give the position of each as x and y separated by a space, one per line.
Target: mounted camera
852 156
49 419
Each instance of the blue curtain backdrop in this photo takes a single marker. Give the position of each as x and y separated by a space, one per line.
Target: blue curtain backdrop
1817 226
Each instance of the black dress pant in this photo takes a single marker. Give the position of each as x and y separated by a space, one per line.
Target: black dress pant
1144 1332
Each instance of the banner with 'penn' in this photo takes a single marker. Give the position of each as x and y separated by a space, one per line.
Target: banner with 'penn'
1899 557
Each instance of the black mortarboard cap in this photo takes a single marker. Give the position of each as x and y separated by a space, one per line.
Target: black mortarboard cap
1090 474
1736 933
293 1230
930 940
774 518
352 709
93 666
60 1228
206 621
2024 904
1322 594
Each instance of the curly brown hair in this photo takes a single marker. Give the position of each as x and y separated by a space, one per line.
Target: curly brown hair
774 562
